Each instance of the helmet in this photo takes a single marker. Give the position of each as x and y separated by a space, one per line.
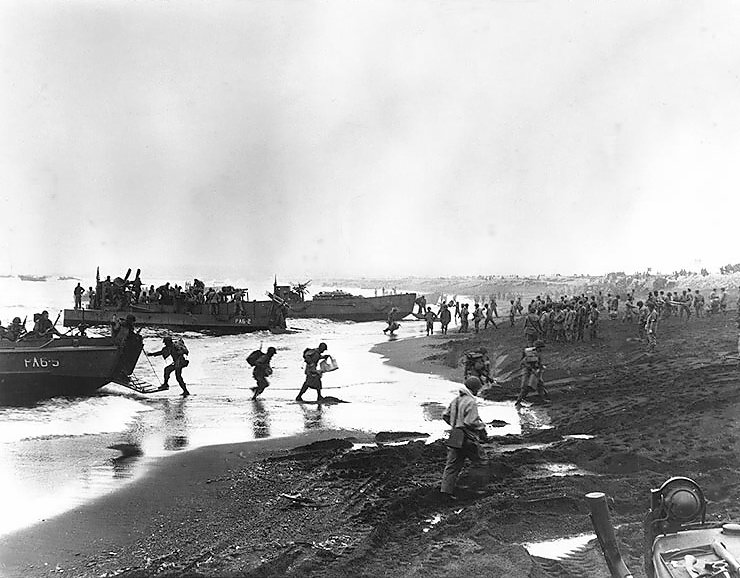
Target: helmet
167 339
16 319
473 383
271 350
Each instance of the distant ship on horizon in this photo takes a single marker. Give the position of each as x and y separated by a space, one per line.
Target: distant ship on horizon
33 277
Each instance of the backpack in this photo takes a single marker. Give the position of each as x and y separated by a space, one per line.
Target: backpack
530 356
253 357
179 346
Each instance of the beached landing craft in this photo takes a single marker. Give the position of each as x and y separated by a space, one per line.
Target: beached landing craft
342 306
179 314
679 543
37 368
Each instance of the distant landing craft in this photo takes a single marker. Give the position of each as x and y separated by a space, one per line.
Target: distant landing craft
340 305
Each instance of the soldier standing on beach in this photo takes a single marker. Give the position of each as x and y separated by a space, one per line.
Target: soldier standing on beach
477 316
430 317
532 327
445 317
468 431
593 322
463 319
177 351
699 304
651 327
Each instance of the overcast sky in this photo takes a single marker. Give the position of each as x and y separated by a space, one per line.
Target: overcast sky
348 138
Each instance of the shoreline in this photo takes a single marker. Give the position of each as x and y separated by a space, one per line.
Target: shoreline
328 510
141 507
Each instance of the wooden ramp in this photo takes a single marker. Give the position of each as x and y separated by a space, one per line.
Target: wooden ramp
136 384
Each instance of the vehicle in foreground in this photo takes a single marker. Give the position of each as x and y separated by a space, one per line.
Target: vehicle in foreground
342 306
35 368
679 542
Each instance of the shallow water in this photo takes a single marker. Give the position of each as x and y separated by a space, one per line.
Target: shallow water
560 547
55 455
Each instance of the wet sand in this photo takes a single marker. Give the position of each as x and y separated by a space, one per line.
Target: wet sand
259 509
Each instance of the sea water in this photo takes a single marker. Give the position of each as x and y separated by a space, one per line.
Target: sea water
57 454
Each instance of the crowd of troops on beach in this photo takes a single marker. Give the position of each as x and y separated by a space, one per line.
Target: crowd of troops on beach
565 320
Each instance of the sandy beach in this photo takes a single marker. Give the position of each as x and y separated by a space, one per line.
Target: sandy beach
621 422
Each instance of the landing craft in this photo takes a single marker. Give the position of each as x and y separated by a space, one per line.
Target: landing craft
36 367
342 306
186 312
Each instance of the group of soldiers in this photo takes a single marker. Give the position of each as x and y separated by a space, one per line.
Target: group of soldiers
43 327
122 292
259 360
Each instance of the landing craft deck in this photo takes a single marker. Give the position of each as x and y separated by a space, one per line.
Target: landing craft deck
194 308
255 316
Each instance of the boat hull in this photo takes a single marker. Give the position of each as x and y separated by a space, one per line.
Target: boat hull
255 316
31 371
354 308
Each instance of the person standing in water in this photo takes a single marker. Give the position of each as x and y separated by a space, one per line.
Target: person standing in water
392 323
177 351
312 357
262 371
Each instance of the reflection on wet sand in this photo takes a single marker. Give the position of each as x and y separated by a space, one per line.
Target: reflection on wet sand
123 464
432 410
312 416
175 424
260 420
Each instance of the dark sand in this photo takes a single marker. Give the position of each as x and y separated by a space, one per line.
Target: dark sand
219 511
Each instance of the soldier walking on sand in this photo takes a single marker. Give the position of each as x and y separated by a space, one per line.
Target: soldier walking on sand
444 317
699 304
468 431
531 364
593 322
463 319
651 327
532 328
477 316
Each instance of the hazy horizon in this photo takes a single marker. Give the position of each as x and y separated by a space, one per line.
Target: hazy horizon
370 138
